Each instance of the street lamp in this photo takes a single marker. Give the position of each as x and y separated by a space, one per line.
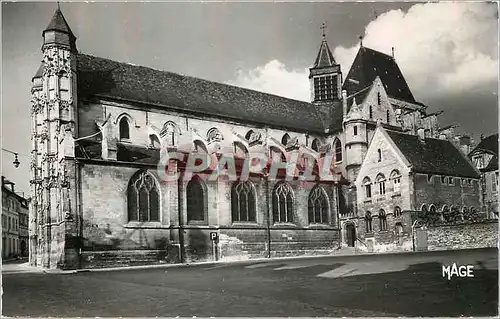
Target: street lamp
16 158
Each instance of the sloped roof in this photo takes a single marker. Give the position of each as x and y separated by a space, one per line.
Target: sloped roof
488 144
325 56
39 72
492 165
369 64
435 156
59 23
110 79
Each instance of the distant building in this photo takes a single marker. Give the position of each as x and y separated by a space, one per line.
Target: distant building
403 173
485 158
14 222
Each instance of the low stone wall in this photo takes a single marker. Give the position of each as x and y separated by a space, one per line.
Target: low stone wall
122 258
465 235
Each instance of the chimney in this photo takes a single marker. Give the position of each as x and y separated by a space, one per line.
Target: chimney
421 134
344 103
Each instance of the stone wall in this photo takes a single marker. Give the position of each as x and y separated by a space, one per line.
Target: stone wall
463 236
109 239
434 192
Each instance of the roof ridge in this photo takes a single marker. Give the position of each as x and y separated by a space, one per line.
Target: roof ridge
197 78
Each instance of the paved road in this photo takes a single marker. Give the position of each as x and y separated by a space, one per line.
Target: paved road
384 285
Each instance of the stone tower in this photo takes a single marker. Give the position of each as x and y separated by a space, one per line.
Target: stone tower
53 188
325 76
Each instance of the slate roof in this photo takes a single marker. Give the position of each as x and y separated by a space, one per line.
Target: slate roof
369 64
99 77
488 144
325 56
435 156
59 23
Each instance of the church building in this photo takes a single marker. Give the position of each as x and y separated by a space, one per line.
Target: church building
100 128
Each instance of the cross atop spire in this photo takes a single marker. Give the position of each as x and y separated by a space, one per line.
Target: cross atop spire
323 29
58 6
361 40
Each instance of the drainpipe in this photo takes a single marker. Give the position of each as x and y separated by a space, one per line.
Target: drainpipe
180 216
411 177
79 212
268 218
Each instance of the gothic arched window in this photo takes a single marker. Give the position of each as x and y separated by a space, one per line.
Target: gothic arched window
368 222
368 187
170 133
338 150
397 211
249 135
396 180
381 183
143 198
196 200
214 135
285 139
382 218
243 202
315 145
283 203
124 129
318 206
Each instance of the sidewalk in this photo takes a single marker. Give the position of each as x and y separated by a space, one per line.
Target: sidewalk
15 268
25 268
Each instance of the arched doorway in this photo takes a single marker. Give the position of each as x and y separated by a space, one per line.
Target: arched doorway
350 234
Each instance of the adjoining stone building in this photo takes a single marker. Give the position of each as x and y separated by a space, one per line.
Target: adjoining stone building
15 241
402 174
100 126
485 158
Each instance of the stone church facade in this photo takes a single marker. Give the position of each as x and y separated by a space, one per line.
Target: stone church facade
100 128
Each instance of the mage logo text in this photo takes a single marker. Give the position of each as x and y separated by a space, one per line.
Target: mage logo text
463 271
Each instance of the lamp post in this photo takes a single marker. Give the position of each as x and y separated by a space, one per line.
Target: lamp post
16 157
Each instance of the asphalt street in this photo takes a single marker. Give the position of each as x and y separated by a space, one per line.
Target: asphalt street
382 285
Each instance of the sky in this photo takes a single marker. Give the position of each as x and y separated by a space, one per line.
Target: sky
448 52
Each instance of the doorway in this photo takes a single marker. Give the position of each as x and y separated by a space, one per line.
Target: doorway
350 232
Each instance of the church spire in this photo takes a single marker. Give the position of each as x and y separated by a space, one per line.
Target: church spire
325 76
325 57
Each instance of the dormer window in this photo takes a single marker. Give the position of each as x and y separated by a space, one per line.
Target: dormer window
124 129
443 179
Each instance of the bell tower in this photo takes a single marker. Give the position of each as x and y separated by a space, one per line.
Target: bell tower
53 131
325 76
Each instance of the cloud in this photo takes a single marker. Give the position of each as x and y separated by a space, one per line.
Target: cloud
274 78
441 48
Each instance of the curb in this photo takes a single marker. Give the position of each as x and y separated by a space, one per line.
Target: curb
256 260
